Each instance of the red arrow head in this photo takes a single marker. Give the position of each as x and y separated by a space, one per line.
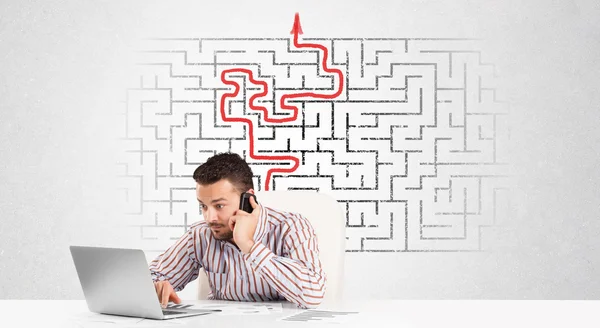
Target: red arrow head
296 29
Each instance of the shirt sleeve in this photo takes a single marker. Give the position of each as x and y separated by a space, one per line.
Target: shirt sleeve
298 275
179 264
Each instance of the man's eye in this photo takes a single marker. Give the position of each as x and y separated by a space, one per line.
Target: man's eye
220 206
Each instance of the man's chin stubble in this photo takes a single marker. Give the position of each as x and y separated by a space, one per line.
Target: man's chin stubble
223 237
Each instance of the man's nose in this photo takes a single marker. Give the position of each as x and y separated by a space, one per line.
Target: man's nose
211 215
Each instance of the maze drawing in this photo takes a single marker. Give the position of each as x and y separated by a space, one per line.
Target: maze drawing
411 146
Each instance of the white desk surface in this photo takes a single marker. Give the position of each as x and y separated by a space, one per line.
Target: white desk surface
372 314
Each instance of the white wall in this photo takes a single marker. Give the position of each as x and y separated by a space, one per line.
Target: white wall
63 67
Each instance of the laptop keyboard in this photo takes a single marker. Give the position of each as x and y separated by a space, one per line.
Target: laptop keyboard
167 312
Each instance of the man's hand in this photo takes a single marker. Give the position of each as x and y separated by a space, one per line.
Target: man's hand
166 293
243 225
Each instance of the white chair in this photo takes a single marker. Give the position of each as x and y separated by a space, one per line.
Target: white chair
327 218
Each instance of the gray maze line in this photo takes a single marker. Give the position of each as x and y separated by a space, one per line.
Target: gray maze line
406 95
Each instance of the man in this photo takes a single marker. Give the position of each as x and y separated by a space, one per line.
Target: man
265 255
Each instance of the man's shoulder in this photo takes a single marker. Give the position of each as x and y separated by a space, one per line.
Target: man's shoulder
199 227
276 216
201 233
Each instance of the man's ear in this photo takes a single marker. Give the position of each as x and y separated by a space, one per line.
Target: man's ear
251 191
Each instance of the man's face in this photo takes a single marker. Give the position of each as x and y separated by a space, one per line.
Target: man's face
218 201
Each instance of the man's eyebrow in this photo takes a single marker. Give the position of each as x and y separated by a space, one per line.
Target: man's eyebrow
214 200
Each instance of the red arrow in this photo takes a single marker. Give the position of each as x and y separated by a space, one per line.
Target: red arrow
296 30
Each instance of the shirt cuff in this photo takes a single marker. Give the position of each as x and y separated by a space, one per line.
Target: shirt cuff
157 276
258 256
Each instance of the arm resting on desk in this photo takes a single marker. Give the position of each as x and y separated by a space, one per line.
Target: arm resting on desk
297 276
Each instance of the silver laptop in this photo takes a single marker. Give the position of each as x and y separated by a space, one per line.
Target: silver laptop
117 281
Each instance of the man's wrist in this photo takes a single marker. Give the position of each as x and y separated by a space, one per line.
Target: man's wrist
247 246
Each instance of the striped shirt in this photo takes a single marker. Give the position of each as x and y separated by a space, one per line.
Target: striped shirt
283 264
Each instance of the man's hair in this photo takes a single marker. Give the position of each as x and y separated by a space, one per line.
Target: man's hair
229 166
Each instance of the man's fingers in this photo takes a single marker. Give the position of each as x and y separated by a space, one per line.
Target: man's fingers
166 293
232 222
253 202
159 289
175 298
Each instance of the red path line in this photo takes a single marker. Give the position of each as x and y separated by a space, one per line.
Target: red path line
251 126
296 30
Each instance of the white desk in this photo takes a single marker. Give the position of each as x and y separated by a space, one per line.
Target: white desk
372 314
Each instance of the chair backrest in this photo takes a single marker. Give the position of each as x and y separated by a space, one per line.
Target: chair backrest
327 218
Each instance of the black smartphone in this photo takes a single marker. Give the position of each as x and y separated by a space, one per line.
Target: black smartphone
245 202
